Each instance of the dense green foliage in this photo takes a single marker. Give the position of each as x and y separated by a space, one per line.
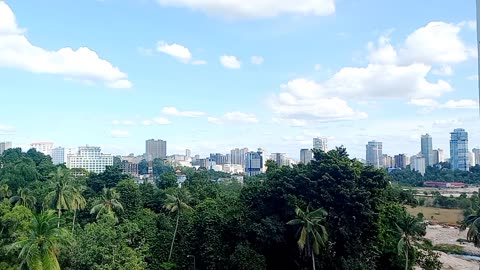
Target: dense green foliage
107 221
438 173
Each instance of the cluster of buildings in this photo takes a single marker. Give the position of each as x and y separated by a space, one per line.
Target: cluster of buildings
460 157
243 161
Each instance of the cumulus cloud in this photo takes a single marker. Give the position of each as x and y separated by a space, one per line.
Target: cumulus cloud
257 60
234 117
180 52
256 8
118 133
392 72
230 61
450 104
175 112
161 120
82 64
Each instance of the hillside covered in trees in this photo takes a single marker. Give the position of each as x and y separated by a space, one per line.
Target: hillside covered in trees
334 213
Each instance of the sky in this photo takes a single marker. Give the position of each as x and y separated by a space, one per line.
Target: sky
212 75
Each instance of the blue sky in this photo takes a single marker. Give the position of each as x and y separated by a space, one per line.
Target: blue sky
261 73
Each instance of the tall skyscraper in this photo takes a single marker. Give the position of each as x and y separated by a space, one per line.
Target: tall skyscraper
306 156
401 161
374 154
471 159
188 153
426 149
5 146
459 149
279 158
253 163
43 147
155 149
219 159
438 156
388 161
417 163
238 156
476 153
263 153
320 144
89 158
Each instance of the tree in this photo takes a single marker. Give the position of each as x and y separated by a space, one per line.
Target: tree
39 250
411 229
176 204
5 191
77 203
313 235
24 198
472 222
108 204
60 198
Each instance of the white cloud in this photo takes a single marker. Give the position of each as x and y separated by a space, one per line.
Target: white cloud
230 61
147 122
290 122
473 77
450 104
117 133
447 123
175 112
444 70
116 122
180 52
4 129
234 117
176 50
317 67
257 60
124 122
82 64
240 117
161 120
256 8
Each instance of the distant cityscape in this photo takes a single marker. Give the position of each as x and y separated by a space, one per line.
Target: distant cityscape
250 163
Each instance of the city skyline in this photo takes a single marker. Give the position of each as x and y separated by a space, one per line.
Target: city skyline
298 76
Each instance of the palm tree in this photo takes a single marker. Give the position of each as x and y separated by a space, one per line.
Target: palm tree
24 198
176 204
40 249
472 222
313 234
5 191
78 202
108 204
411 229
60 197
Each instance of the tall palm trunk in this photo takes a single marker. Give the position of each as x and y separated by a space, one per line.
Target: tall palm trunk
406 258
74 216
59 214
313 260
174 233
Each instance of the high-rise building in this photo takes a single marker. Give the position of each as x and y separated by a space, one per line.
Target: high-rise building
219 159
43 147
188 153
438 156
263 153
459 149
388 161
417 163
306 156
279 158
253 163
374 154
401 161
471 159
426 149
320 144
89 158
155 149
238 156
5 146
58 155
476 153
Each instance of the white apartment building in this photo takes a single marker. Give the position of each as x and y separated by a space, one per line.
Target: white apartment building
320 143
89 158
59 154
417 163
5 146
43 147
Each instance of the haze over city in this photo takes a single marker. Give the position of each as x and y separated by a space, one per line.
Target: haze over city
196 75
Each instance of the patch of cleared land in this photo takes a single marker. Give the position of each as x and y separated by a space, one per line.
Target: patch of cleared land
438 215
